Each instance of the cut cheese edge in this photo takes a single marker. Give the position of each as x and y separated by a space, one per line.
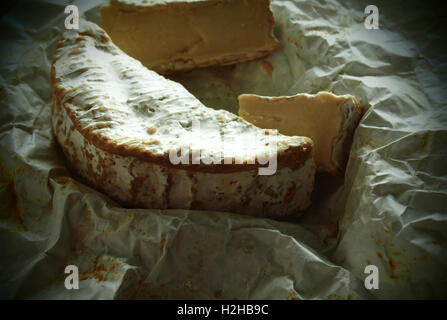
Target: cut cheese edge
174 35
327 119
117 123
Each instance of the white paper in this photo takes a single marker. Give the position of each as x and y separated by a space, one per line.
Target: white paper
390 210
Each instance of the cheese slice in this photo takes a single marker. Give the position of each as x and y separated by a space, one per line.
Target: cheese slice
173 35
329 120
118 123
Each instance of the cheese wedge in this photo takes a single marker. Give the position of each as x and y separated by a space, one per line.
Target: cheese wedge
327 119
173 35
118 124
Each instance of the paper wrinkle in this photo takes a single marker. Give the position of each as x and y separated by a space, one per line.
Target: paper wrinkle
388 211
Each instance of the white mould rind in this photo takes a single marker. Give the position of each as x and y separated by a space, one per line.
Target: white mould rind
352 115
140 183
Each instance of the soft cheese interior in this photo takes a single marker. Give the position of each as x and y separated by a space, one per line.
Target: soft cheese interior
329 120
176 35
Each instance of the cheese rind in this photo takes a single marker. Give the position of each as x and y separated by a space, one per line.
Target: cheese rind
169 35
139 183
118 121
327 119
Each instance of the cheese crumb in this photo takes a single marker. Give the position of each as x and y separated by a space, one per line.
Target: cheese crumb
151 130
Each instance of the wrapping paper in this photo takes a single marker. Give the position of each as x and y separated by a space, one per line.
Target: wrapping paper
389 210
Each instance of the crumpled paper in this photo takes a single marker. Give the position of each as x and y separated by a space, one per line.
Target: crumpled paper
388 211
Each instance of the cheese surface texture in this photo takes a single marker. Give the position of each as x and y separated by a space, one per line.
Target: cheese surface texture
118 122
327 119
177 35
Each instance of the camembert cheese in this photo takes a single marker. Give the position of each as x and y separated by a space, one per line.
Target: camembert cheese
327 119
172 35
118 123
